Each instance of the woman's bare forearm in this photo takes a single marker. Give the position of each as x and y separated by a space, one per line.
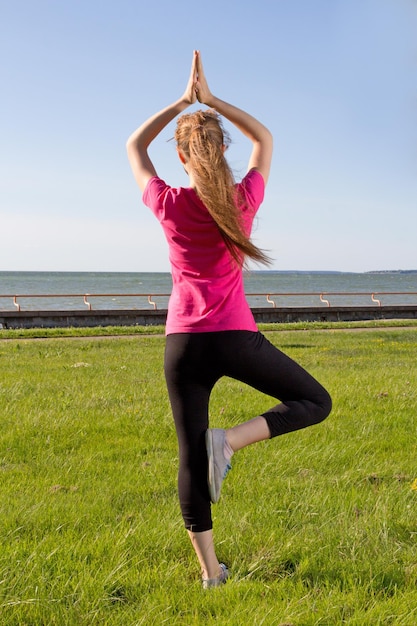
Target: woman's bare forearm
143 136
246 123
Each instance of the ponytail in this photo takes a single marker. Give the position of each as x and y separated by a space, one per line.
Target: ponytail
202 139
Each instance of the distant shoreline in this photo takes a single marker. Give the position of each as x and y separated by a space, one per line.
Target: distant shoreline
252 271
392 272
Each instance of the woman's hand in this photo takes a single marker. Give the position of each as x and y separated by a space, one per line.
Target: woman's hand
190 95
203 92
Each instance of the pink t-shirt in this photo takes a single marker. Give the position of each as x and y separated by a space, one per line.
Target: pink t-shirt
207 285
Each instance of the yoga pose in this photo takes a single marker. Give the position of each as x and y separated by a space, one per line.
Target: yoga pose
210 328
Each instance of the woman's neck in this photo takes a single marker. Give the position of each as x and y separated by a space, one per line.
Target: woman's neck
192 182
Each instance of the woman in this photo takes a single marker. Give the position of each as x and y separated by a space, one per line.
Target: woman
210 328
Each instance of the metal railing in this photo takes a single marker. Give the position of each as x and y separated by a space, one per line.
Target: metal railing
84 296
323 297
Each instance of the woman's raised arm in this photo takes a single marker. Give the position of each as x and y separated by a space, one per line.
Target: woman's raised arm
138 143
256 132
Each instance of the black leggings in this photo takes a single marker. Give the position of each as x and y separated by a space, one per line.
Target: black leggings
193 364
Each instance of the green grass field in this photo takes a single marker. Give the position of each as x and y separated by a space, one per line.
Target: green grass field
318 527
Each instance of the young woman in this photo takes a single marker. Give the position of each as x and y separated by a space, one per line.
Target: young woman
210 328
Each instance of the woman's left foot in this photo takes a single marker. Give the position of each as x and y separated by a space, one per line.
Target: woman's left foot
218 464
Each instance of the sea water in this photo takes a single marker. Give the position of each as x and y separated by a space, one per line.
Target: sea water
110 290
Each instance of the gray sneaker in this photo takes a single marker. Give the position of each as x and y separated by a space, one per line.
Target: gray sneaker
218 465
220 580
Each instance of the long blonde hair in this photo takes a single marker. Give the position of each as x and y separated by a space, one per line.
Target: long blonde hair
201 139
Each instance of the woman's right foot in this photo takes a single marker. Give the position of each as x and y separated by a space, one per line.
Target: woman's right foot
220 580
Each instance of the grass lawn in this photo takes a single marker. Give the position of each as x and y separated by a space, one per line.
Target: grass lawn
318 527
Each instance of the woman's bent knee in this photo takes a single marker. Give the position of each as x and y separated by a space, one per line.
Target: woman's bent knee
323 407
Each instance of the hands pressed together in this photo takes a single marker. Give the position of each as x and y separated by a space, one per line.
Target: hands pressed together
197 87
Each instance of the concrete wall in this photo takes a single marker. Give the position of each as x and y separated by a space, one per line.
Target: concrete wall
82 319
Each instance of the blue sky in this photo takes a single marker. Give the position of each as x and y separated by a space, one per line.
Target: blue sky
334 80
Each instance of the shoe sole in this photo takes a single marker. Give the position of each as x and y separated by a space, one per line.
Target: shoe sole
213 491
